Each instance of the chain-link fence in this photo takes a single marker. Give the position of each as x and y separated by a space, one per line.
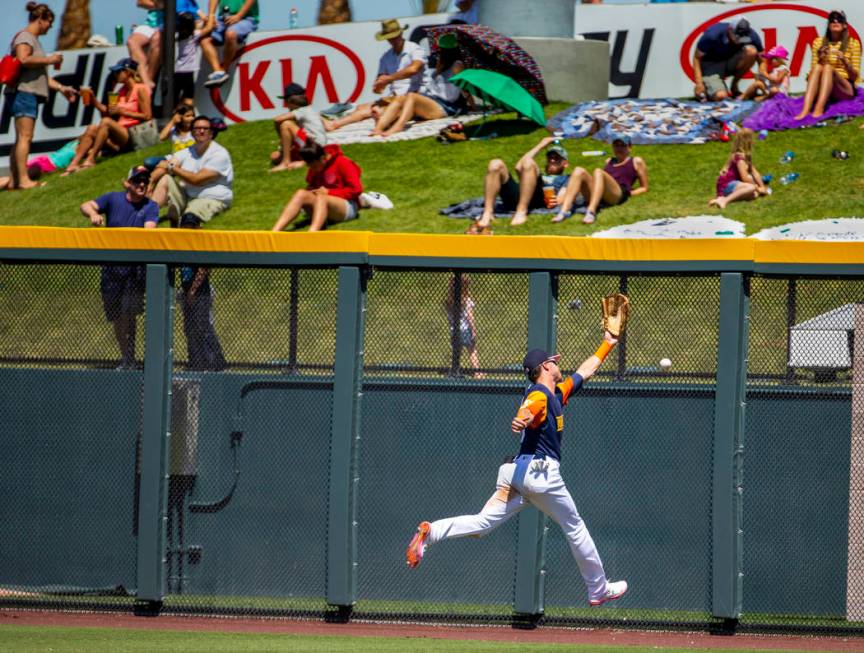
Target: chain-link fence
250 494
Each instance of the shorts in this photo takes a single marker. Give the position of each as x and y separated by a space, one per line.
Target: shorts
714 84
122 289
729 188
450 108
184 86
241 28
24 105
146 31
299 141
202 208
352 211
509 195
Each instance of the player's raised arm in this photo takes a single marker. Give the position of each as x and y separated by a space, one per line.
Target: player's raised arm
616 312
591 364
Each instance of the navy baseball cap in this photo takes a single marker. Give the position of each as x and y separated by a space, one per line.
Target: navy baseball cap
292 89
623 139
124 64
536 356
741 28
138 172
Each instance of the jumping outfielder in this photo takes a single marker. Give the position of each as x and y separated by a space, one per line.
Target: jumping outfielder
534 477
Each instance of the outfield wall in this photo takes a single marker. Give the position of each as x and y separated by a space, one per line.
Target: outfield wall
290 481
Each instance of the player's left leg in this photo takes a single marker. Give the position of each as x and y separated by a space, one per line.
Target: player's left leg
502 505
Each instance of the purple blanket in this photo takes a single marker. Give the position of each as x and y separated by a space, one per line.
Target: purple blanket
779 112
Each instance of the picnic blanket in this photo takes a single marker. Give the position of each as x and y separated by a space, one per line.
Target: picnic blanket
778 113
649 121
473 208
358 132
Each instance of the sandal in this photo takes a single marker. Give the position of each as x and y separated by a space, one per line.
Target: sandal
474 229
486 231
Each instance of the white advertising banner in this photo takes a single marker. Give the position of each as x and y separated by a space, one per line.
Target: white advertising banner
336 63
652 46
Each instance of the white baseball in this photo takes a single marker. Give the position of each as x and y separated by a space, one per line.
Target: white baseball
665 364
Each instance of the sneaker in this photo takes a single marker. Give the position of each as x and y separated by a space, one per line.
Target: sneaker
373 200
417 547
614 590
216 79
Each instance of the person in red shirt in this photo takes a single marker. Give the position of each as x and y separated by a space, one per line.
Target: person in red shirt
332 190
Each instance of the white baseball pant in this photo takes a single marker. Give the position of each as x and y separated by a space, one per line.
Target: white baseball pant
543 488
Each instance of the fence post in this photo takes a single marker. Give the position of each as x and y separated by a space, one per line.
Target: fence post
729 405
528 600
344 434
158 360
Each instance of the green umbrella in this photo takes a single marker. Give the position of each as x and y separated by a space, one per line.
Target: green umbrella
500 91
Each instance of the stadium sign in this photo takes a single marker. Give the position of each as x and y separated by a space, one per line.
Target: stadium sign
661 63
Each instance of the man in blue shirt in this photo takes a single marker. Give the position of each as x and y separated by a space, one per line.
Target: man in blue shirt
533 477
724 50
122 286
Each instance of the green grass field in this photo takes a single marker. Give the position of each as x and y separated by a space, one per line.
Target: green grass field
423 176
94 640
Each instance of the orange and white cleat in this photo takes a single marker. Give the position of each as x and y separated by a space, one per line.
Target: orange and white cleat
417 547
614 590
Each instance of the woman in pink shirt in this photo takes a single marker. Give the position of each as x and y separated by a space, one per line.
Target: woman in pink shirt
133 106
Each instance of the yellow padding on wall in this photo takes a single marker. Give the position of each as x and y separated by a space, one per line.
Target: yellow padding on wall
437 246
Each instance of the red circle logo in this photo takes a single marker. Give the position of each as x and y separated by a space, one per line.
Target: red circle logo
216 93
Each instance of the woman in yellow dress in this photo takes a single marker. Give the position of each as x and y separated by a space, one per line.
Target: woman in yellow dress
834 70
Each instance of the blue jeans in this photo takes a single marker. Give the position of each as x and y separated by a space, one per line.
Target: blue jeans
24 105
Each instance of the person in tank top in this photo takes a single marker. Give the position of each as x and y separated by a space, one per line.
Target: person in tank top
133 106
611 185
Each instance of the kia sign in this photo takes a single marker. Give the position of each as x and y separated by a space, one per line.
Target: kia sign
653 45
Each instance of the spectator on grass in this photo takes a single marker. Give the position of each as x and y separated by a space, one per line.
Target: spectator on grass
130 107
724 50
772 77
196 298
295 129
31 89
332 192
145 41
834 68
525 194
739 180
400 71
233 25
437 98
197 181
178 130
611 185
122 286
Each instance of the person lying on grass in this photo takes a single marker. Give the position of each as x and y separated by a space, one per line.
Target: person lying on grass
611 185
739 179
332 192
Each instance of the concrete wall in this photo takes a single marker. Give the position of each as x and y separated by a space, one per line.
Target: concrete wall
574 71
523 18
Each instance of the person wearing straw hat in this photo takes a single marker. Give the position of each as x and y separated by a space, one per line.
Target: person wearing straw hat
400 71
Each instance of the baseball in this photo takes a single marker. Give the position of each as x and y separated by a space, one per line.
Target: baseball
665 364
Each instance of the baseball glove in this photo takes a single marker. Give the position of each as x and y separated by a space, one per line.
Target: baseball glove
616 310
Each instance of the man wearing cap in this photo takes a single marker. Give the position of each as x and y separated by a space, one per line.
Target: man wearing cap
301 124
533 477
527 193
400 71
122 286
196 183
724 50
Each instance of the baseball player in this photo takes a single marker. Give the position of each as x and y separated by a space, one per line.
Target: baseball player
533 477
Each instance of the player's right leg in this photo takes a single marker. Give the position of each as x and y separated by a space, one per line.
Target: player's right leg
502 505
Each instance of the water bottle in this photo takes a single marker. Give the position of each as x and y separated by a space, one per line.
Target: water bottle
763 134
766 179
788 157
226 11
118 34
789 178
292 18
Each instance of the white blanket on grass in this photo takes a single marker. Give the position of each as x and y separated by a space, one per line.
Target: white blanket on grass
358 132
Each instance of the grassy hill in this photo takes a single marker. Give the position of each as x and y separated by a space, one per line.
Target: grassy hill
423 176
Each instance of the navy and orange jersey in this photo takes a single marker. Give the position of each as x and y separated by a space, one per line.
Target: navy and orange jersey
542 437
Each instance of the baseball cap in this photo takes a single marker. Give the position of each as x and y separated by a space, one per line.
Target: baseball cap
837 16
623 139
448 41
741 28
127 63
138 171
536 356
292 89
557 150
777 52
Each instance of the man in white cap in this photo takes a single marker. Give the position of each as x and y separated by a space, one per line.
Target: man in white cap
724 50
400 71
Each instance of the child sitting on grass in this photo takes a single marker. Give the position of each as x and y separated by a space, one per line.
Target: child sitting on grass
295 129
772 77
739 179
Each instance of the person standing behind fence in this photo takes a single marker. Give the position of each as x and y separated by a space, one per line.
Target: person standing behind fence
122 286
465 334
196 299
31 89
234 22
